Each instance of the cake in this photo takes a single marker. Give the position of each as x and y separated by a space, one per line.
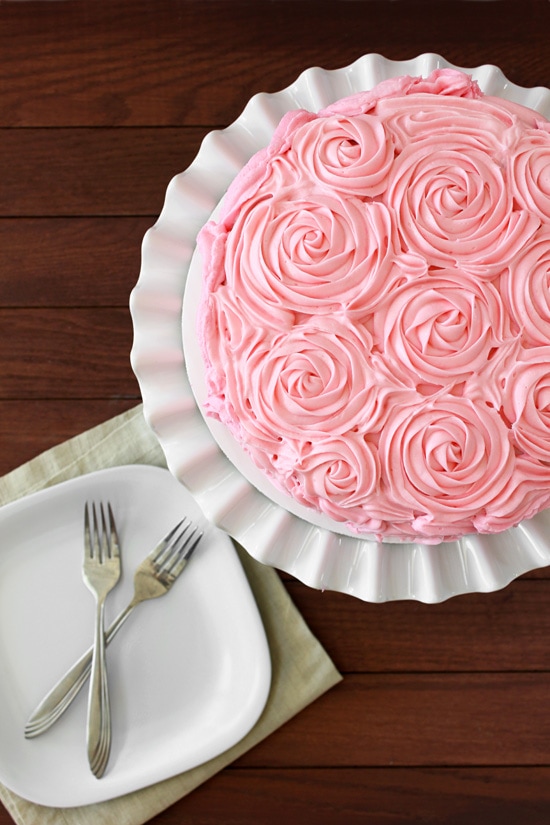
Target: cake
375 312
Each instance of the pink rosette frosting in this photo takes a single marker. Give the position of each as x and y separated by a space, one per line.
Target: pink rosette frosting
526 405
441 82
226 333
530 173
526 290
440 329
310 381
454 205
351 155
339 476
310 252
482 125
526 494
449 459
375 317
269 169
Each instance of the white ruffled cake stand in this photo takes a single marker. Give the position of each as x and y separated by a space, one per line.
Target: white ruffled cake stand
200 453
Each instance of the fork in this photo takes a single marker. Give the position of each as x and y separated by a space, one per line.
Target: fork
153 578
101 571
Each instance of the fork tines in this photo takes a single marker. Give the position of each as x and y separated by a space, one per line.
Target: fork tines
104 543
177 547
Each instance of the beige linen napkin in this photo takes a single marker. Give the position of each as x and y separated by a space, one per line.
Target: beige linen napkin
302 671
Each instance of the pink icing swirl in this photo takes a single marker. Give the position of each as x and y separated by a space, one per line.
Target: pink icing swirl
448 459
527 404
375 318
352 155
440 328
454 206
340 474
489 128
286 386
526 290
310 251
530 173
441 82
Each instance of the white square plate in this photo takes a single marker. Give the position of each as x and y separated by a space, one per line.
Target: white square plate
189 673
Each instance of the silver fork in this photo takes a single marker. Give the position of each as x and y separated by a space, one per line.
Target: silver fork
101 571
153 578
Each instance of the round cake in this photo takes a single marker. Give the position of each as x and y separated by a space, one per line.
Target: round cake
375 314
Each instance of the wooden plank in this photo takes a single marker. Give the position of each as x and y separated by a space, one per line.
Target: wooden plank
28 428
417 720
188 63
364 796
355 796
503 631
78 172
66 353
47 262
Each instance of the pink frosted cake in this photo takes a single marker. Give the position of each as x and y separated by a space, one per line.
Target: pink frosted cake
375 317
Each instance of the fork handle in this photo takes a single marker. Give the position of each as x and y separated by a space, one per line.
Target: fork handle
99 721
63 693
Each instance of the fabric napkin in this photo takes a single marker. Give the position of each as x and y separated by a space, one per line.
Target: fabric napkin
301 669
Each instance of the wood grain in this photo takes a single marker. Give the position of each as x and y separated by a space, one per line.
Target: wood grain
357 796
167 64
411 719
61 353
487 632
29 428
75 261
78 172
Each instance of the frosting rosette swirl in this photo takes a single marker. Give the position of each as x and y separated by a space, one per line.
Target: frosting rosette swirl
530 173
482 125
352 155
339 476
526 289
455 207
440 328
225 334
375 315
310 381
310 251
527 404
440 82
448 459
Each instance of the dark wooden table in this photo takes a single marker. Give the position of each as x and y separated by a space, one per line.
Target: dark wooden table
443 715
